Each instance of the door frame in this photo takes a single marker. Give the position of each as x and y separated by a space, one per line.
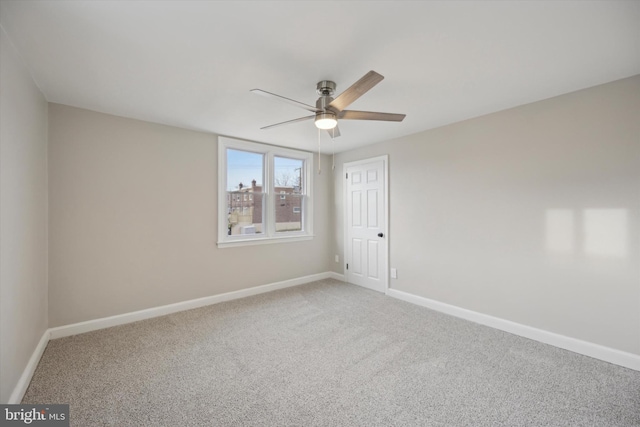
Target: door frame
385 167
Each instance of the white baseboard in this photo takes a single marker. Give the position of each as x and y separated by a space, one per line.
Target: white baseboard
337 276
121 319
607 354
23 383
106 322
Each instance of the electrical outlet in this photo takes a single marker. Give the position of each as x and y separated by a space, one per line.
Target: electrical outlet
337 258
394 273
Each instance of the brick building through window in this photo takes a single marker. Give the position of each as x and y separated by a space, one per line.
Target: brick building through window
246 206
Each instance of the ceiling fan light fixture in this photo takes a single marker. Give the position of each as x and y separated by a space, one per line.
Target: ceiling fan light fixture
327 109
326 120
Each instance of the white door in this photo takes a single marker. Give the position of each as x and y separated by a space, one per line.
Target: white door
366 223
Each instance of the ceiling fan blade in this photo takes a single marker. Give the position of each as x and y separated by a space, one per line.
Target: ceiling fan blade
356 90
301 119
370 115
334 133
287 100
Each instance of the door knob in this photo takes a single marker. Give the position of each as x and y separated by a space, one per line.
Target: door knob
380 235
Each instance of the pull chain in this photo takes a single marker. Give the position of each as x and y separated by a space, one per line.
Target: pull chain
333 149
319 156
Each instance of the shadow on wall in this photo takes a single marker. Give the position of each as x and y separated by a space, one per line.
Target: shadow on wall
594 232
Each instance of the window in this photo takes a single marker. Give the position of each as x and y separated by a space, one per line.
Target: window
276 185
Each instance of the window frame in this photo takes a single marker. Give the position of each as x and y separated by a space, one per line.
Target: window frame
269 234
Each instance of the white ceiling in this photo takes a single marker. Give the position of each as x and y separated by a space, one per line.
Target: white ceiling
192 63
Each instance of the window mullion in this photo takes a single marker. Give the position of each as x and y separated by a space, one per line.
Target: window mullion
270 197
306 190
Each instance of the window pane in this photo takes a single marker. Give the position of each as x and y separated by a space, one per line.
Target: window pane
289 213
243 167
289 188
287 175
244 216
245 173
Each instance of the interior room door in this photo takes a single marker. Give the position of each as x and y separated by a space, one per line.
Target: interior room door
366 207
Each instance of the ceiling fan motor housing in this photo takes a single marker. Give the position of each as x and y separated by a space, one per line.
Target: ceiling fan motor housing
325 88
323 102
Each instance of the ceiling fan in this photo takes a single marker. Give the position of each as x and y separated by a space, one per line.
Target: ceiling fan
328 110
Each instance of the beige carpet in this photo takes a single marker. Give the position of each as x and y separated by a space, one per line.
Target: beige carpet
326 354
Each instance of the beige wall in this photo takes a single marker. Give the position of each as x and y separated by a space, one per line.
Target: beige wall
23 217
530 214
133 220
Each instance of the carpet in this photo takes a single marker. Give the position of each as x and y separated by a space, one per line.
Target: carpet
326 354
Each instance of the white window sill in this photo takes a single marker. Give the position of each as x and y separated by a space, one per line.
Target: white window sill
264 241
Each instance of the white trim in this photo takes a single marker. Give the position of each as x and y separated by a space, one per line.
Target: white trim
607 354
269 234
265 241
121 319
336 276
385 165
23 383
